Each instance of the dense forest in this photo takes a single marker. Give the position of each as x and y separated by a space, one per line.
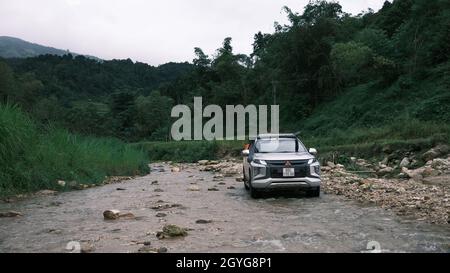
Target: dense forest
329 71
345 82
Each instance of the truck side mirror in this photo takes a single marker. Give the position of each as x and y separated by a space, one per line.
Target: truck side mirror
313 151
245 152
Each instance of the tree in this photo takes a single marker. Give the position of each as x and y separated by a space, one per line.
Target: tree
351 61
123 111
7 82
202 60
152 115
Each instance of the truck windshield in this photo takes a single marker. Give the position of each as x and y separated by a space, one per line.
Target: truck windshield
279 145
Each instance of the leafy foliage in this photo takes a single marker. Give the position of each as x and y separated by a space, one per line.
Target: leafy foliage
32 159
328 70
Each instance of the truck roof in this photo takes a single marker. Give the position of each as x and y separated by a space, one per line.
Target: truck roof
261 136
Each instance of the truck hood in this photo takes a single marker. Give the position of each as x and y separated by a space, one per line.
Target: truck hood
283 156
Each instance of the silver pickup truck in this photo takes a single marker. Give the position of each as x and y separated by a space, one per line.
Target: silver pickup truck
280 162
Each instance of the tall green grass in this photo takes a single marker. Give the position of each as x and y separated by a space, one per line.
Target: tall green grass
190 151
32 159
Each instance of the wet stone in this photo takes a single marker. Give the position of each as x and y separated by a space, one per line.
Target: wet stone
170 231
203 221
10 214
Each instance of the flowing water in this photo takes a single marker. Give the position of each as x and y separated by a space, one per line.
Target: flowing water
238 223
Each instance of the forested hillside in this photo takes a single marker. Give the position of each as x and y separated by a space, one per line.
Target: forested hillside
109 98
340 80
11 47
333 75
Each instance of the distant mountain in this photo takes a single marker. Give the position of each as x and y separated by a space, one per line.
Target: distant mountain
11 47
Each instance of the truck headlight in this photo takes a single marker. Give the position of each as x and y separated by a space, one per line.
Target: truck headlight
260 162
312 161
314 166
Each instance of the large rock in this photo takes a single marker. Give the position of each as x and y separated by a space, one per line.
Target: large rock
429 171
111 214
435 152
171 231
416 174
10 214
116 214
46 192
203 162
441 164
405 162
385 171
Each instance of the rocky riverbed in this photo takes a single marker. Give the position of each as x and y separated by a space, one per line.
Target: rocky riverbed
204 207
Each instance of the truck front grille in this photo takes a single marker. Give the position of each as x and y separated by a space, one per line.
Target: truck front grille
276 168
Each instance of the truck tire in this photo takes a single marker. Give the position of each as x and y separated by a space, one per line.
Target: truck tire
313 192
253 192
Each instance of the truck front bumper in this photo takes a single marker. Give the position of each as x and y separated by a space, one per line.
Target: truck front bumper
286 183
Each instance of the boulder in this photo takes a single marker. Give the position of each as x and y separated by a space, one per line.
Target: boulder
385 171
116 214
331 164
10 214
405 162
203 162
175 169
416 174
111 214
46 192
440 164
171 231
429 171
61 183
435 152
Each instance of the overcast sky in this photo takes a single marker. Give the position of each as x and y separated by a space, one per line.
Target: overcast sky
149 31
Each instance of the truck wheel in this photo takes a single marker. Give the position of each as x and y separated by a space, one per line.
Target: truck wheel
253 192
245 179
314 192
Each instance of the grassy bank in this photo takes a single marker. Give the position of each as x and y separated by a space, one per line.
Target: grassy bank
190 151
32 158
410 135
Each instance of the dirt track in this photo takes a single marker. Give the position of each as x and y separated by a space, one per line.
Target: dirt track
238 223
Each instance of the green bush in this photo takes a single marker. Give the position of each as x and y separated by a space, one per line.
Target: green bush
180 151
190 151
33 159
